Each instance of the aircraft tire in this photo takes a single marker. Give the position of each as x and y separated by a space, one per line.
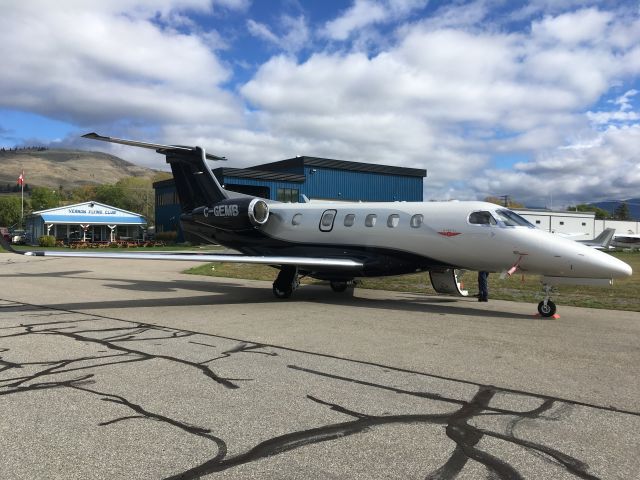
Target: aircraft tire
547 310
282 294
338 286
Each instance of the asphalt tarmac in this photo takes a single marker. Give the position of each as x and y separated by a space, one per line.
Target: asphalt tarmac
115 369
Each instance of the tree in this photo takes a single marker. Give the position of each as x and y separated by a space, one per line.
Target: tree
10 210
601 213
622 212
138 196
111 195
134 194
501 200
44 198
159 176
83 194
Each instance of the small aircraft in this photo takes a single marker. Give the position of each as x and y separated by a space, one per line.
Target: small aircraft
626 240
602 241
339 242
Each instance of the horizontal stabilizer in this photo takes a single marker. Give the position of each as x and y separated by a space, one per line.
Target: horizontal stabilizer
164 149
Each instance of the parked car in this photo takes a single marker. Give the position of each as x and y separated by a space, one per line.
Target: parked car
19 237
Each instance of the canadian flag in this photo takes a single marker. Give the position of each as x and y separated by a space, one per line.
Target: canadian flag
21 178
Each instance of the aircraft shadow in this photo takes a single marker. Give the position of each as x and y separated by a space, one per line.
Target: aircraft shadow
227 293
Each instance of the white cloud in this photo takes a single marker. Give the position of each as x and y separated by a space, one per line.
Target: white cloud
624 100
446 99
588 25
364 13
73 62
445 93
361 14
605 167
622 115
456 15
296 36
262 31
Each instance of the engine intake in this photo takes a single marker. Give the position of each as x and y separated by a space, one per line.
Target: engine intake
234 213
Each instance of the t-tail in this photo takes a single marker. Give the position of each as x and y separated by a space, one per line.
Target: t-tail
209 212
195 183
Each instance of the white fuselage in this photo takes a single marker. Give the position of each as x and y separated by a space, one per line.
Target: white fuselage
445 233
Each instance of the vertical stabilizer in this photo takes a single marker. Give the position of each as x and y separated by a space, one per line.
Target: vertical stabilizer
195 183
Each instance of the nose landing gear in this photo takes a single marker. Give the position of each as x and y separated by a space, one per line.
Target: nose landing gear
546 308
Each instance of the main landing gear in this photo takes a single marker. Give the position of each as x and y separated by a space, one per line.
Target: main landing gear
546 308
286 281
339 286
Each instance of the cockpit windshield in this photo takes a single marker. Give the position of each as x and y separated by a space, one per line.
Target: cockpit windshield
512 219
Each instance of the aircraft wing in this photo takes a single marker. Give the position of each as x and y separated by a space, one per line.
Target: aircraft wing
346 263
571 235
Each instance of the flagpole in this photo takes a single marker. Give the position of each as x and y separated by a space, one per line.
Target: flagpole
22 197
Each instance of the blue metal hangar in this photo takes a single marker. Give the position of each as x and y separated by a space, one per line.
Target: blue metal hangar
315 178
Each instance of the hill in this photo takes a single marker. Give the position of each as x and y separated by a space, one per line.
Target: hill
611 205
69 168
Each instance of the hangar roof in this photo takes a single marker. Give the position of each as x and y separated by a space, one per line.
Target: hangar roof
292 170
301 162
259 174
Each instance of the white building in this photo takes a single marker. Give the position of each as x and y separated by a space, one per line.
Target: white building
574 223
86 221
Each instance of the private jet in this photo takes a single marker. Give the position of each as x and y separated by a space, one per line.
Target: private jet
340 242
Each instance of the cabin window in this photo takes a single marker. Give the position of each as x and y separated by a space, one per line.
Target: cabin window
481 218
370 220
297 218
349 220
584 224
537 222
326 221
561 223
416 220
393 220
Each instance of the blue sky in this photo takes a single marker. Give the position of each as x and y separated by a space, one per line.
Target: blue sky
531 99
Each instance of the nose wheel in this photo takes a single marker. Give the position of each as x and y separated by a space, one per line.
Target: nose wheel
546 308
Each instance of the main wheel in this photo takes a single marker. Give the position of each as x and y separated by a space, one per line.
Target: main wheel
280 293
547 310
338 286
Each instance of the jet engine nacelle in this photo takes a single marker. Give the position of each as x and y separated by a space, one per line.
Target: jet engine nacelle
234 213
